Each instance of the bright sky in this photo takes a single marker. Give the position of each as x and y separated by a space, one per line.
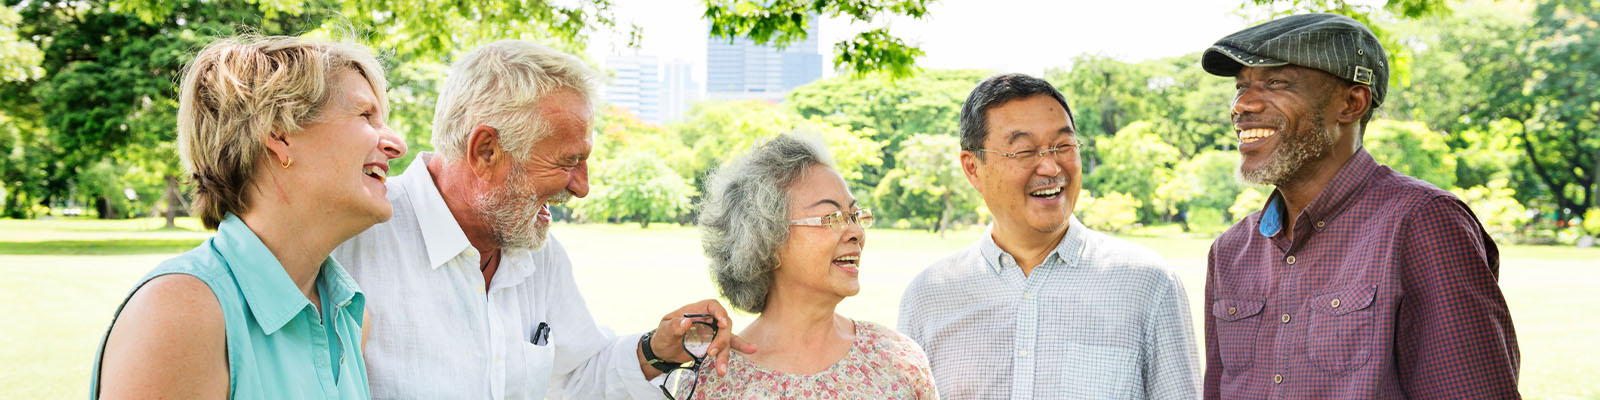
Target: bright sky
1025 36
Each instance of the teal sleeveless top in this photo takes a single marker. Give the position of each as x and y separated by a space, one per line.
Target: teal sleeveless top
279 346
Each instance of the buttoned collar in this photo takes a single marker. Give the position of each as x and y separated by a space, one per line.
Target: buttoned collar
1334 198
441 234
273 297
1067 251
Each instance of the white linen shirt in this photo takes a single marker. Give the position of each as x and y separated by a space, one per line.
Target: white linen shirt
1100 318
437 334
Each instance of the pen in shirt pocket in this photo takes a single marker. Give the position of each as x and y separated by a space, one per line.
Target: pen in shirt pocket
541 335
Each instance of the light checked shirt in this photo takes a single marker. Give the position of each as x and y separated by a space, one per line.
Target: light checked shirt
1100 318
439 333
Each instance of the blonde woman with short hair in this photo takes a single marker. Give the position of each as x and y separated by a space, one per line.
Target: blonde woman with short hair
285 141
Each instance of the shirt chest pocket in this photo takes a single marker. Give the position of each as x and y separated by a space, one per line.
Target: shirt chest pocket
529 369
1102 372
1340 336
1236 325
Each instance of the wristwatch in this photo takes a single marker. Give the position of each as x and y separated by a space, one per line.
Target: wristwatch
650 355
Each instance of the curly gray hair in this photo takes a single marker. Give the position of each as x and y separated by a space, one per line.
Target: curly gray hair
745 215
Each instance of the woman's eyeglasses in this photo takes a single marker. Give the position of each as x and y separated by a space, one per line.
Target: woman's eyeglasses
681 382
838 220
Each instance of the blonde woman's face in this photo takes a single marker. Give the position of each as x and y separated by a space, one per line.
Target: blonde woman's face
343 158
818 259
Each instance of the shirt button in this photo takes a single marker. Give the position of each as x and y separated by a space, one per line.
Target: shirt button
1027 296
1286 318
1334 303
1233 310
1321 224
1289 259
1277 378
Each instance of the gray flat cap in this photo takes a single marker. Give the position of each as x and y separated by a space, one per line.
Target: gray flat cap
1329 42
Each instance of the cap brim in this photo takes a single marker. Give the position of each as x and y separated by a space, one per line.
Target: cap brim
1224 60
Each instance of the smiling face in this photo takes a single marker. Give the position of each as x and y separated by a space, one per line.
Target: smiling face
1037 193
820 259
552 170
343 158
1280 115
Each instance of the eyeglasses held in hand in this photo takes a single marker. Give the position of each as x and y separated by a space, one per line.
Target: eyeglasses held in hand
838 220
681 382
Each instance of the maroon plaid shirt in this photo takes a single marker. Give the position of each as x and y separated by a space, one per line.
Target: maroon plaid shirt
1385 289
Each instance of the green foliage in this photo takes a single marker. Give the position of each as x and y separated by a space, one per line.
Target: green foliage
19 60
1132 163
1203 182
715 132
1411 148
928 186
638 187
1186 107
1591 222
1113 212
1497 209
784 22
926 103
1249 200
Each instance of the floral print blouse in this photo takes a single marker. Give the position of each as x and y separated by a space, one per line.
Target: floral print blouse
882 364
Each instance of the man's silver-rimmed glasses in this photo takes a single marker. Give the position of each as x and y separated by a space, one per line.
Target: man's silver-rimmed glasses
838 220
681 382
1033 156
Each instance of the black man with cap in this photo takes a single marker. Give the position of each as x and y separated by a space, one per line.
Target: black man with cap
1353 281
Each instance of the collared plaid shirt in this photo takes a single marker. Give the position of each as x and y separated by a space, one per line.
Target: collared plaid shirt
1385 289
1101 318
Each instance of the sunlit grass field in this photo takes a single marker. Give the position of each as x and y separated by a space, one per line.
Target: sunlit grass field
63 279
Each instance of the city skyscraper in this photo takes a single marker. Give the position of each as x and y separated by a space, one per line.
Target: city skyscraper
740 69
655 91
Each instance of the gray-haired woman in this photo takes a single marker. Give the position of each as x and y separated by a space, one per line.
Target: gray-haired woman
785 236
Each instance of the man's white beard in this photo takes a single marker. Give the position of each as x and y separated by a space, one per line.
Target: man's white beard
1286 162
513 213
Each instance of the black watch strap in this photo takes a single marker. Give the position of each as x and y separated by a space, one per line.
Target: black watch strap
650 355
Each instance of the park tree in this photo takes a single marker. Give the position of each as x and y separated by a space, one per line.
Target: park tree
717 131
1411 148
928 184
1546 84
638 187
783 22
1205 182
1110 212
928 102
1133 163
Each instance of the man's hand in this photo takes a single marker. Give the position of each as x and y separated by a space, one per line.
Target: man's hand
668 340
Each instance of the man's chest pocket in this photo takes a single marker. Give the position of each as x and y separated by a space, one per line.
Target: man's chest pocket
1236 325
528 371
1339 335
1102 372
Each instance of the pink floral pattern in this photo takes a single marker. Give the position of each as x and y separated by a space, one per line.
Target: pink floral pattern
883 364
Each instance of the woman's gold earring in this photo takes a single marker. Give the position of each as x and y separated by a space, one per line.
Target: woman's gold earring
287 162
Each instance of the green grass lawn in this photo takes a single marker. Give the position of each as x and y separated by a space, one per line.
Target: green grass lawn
65 277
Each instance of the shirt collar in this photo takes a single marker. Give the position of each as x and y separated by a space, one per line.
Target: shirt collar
273 298
339 287
441 234
1066 251
1350 180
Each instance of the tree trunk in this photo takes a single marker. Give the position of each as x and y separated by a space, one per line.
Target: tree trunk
172 198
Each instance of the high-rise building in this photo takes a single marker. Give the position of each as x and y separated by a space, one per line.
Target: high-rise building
740 69
655 91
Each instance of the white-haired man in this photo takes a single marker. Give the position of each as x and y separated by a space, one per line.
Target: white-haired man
467 298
